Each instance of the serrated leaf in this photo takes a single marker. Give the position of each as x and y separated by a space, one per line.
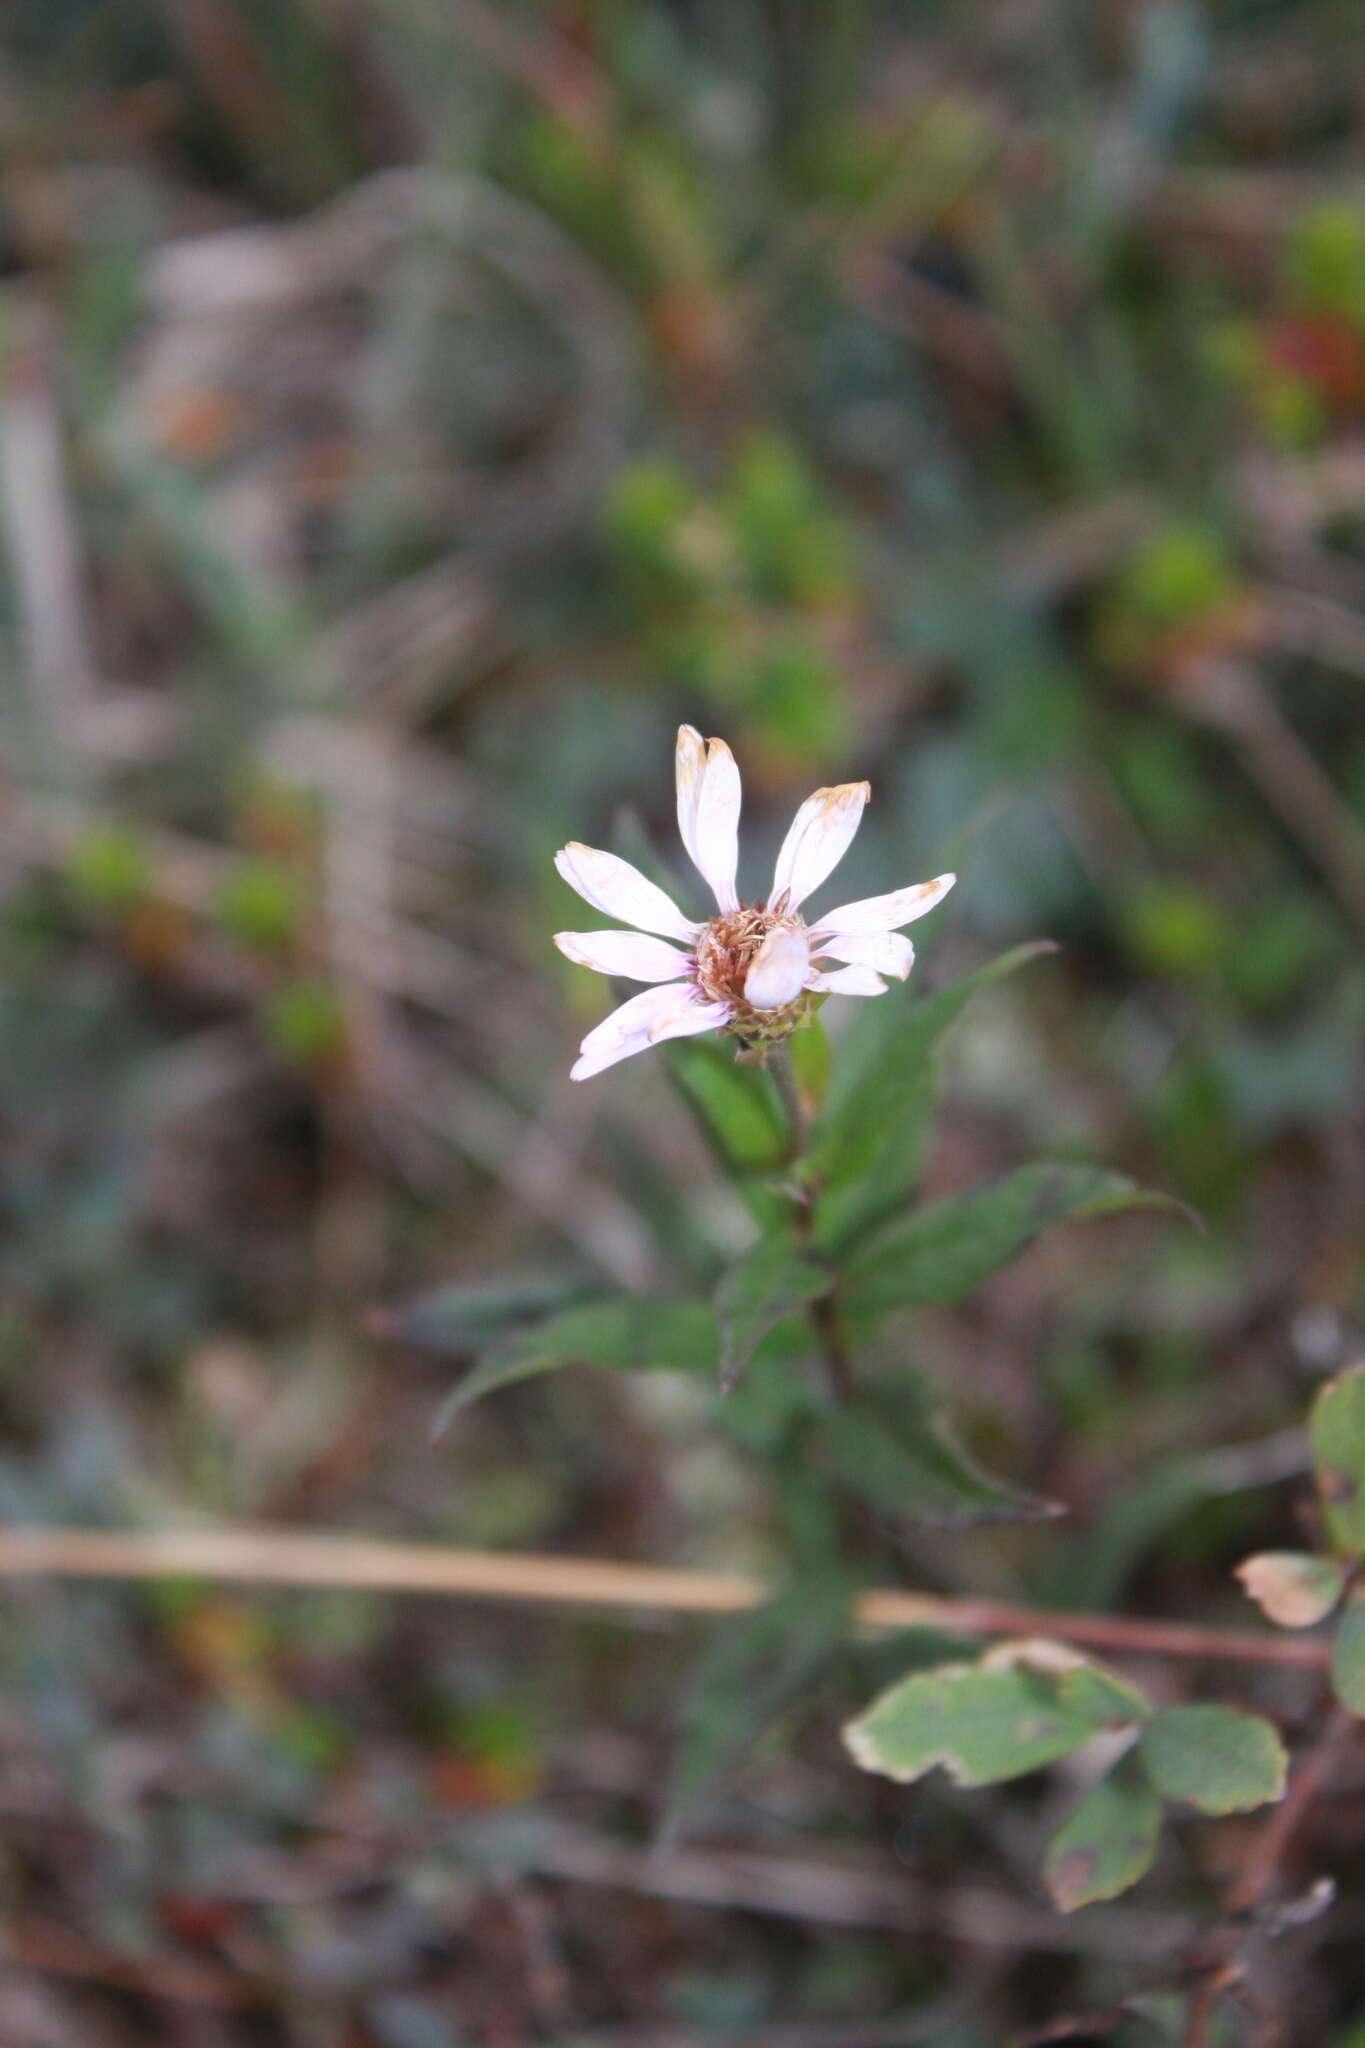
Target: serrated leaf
984 1722
1337 1431
1292 1588
946 1248
1348 1658
755 1665
1216 1758
464 1315
867 1149
628 1333
769 1283
1109 1842
897 1453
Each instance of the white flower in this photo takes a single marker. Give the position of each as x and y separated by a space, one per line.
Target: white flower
750 969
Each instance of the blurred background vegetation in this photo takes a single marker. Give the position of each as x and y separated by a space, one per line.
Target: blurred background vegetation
409 411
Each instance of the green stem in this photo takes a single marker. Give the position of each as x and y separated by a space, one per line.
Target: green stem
780 1066
824 1316
833 1350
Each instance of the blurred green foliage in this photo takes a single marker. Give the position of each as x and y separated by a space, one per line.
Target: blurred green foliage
108 869
408 415
258 903
303 1020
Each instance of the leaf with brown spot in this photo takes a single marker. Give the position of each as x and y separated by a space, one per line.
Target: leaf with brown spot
1110 1840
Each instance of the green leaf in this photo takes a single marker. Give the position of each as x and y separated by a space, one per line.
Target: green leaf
1336 1428
1109 1842
738 1108
1348 1658
1016 1710
1107 1700
868 1147
464 1315
771 1282
628 1333
1216 1758
809 1052
768 1413
755 1665
897 1453
947 1248
1292 1588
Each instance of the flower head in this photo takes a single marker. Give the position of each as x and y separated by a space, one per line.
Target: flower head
752 969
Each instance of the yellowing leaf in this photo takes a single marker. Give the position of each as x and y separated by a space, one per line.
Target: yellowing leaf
1292 1588
1018 1709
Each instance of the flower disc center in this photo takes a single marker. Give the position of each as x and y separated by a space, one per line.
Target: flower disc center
726 947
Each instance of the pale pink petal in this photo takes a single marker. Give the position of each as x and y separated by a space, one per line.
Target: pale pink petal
847 981
820 836
645 1020
614 886
708 811
717 853
883 913
628 954
778 971
888 952
690 766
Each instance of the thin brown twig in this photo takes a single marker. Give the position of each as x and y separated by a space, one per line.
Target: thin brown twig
179 1980
1203 2002
255 1555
